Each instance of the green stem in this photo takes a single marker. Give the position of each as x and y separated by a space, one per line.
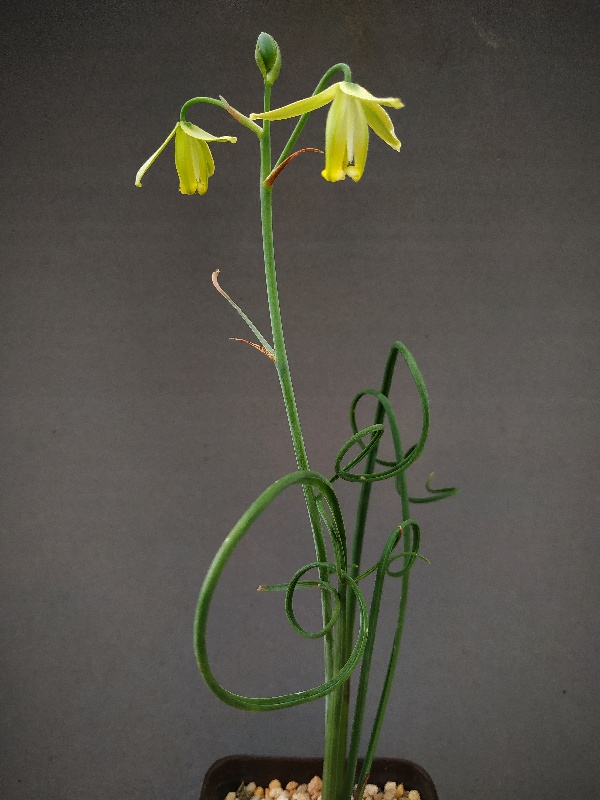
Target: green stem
335 739
354 569
222 103
387 684
212 100
361 694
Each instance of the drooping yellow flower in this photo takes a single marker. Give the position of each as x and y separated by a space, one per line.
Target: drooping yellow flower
193 159
353 111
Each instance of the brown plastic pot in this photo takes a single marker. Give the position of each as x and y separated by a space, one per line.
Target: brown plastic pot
228 773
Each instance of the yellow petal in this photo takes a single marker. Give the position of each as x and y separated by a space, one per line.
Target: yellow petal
198 133
301 106
336 151
147 164
380 122
188 155
354 90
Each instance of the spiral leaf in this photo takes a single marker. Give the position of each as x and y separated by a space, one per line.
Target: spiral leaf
325 585
385 410
435 494
305 478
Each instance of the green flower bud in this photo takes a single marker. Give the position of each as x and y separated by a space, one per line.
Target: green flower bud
268 58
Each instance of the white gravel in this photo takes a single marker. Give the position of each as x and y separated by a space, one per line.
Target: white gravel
312 791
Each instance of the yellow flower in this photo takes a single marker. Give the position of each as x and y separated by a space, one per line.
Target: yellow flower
353 111
193 159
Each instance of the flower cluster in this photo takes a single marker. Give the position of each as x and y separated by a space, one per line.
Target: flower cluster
353 111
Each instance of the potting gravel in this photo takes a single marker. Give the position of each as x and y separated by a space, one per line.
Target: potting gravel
312 791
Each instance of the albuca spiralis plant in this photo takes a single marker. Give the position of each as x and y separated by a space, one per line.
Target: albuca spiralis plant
352 112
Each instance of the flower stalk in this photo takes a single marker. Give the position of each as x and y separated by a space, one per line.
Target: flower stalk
282 364
336 702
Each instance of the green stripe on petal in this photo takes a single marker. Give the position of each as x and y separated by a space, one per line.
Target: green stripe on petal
209 160
360 140
301 106
380 122
206 166
336 149
147 164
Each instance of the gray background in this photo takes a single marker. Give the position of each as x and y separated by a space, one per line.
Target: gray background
135 434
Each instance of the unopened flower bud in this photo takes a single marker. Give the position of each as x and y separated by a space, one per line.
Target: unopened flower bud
268 57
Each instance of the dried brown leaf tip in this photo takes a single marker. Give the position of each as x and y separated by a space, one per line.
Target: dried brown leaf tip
253 344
